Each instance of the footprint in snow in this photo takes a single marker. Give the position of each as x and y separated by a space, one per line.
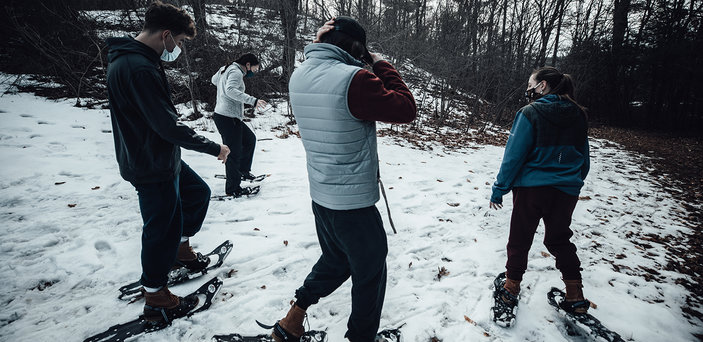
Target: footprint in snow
57 146
102 246
275 212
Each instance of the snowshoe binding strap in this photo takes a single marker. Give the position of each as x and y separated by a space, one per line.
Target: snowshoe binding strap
505 295
577 307
247 191
265 326
154 318
278 330
200 263
283 334
251 178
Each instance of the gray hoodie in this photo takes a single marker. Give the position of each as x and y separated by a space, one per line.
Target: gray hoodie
230 91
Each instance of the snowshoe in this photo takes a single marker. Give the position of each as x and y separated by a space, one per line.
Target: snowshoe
134 291
245 191
149 322
388 335
504 303
581 323
309 336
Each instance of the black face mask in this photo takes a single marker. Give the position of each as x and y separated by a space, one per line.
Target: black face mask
532 95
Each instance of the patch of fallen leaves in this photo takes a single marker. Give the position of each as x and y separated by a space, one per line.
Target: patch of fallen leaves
441 272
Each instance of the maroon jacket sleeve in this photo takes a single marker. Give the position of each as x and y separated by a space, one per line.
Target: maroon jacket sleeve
381 96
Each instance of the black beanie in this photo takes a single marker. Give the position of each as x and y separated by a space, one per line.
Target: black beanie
351 27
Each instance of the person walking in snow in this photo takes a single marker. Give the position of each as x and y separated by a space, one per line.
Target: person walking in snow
336 103
173 199
229 113
545 162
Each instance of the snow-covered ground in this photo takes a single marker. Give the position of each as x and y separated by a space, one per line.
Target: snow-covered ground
71 237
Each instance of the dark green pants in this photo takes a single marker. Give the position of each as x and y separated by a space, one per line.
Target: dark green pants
353 244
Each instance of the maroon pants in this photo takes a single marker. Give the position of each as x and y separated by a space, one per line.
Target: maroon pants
555 208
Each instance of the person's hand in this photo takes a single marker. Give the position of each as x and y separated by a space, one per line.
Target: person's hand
495 206
375 57
328 26
224 152
260 104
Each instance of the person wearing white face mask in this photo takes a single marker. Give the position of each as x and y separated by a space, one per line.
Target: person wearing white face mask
173 199
170 56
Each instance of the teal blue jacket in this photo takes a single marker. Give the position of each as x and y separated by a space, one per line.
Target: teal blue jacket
548 146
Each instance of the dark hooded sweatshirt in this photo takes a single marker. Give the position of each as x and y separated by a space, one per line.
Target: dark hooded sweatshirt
147 134
548 146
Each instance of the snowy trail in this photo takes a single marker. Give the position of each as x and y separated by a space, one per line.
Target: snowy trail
72 237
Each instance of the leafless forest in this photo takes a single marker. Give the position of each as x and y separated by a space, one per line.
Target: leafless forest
633 60
637 65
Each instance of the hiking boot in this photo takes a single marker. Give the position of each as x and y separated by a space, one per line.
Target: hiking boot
163 306
245 191
248 176
574 302
504 302
188 258
290 328
513 288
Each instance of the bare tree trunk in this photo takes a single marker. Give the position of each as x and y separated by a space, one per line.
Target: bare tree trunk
558 34
289 20
200 14
615 68
620 12
547 15
191 87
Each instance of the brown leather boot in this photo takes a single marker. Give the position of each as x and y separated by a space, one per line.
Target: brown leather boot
189 258
574 301
513 286
290 328
162 305
186 252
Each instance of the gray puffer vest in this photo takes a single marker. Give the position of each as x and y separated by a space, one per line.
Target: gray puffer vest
342 159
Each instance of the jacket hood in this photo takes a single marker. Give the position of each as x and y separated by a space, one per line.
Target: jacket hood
119 46
559 111
326 51
215 79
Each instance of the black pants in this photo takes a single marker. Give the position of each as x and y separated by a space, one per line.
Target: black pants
170 210
241 142
353 244
555 208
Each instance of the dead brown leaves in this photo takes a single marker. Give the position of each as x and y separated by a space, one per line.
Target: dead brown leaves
423 139
441 272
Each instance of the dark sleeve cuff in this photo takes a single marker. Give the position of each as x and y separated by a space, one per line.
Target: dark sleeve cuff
214 149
